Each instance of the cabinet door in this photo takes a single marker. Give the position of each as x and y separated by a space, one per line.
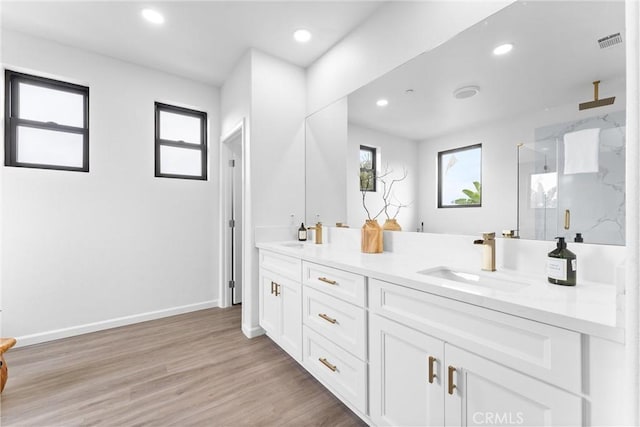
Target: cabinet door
401 393
270 304
290 295
487 393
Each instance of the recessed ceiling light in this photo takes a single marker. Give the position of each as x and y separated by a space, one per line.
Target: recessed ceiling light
382 102
302 35
466 92
153 16
502 49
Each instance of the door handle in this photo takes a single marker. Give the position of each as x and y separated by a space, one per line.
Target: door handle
432 374
325 280
273 285
278 292
452 386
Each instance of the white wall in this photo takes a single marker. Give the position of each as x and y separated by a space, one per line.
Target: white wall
85 251
499 169
397 154
632 295
270 94
393 34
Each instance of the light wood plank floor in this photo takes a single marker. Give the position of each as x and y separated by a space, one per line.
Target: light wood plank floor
192 369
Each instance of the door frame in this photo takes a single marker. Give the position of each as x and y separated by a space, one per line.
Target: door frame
238 131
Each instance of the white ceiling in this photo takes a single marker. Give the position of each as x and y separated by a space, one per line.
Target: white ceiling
555 59
201 40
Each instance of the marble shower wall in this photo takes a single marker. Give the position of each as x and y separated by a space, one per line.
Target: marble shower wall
596 201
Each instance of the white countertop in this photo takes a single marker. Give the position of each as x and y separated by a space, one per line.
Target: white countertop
589 307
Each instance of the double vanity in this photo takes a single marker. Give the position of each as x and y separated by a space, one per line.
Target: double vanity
418 338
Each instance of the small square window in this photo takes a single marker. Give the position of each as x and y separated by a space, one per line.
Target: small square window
367 168
459 177
181 142
47 123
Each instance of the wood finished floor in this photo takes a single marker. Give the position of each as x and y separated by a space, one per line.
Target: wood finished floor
192 369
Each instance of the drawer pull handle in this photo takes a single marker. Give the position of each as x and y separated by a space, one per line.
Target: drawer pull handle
327 364
278 292
452 386
327 318
325 280
432 374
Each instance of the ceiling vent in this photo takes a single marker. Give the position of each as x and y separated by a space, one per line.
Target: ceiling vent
610 41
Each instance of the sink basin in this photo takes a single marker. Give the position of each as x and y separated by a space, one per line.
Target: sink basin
297 245
485 280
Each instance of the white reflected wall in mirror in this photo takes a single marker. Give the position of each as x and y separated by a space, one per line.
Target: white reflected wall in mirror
540 83
394 156
326 165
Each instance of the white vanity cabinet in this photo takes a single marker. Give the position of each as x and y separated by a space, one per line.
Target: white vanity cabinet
335 330
422 377
481 392
400 356
280 301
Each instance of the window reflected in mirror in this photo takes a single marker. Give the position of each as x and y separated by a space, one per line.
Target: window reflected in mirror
460 177
367 168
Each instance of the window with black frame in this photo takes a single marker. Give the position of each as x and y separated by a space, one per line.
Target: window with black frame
180 142
460 177
46 123
367 168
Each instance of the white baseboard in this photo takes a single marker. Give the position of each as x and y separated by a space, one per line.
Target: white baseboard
252 332
111 323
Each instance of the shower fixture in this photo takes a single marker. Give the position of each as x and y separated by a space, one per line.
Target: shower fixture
596 102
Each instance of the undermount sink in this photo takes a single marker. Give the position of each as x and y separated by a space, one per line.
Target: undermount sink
485 280
297 245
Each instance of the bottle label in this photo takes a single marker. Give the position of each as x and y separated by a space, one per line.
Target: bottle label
574 265
557 268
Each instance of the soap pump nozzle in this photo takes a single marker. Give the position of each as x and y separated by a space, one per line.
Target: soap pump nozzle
561 243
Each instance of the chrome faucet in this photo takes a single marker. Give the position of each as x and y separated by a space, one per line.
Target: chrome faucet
488 242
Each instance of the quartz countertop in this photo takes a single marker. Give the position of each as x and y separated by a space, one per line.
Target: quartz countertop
588 308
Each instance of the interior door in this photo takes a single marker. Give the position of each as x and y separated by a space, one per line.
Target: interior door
235 220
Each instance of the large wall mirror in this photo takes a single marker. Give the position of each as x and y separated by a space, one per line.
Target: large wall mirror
552 158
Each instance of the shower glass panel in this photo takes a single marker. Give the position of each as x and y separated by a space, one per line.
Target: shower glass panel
572 179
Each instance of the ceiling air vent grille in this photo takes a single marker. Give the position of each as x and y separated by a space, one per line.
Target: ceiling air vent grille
609 41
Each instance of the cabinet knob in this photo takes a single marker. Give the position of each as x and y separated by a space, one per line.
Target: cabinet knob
325 280
432 374
452 386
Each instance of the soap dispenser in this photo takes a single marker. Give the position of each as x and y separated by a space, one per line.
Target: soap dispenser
302 233
562 265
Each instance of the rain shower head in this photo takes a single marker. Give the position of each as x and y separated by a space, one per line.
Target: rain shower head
596 102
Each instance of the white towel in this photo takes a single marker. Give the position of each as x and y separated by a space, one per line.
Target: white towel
581 151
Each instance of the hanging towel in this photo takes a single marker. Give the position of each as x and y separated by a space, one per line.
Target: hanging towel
581 151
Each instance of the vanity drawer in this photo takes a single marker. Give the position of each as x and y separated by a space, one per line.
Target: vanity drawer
285 265
339 371
543 351
338 321
349 287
